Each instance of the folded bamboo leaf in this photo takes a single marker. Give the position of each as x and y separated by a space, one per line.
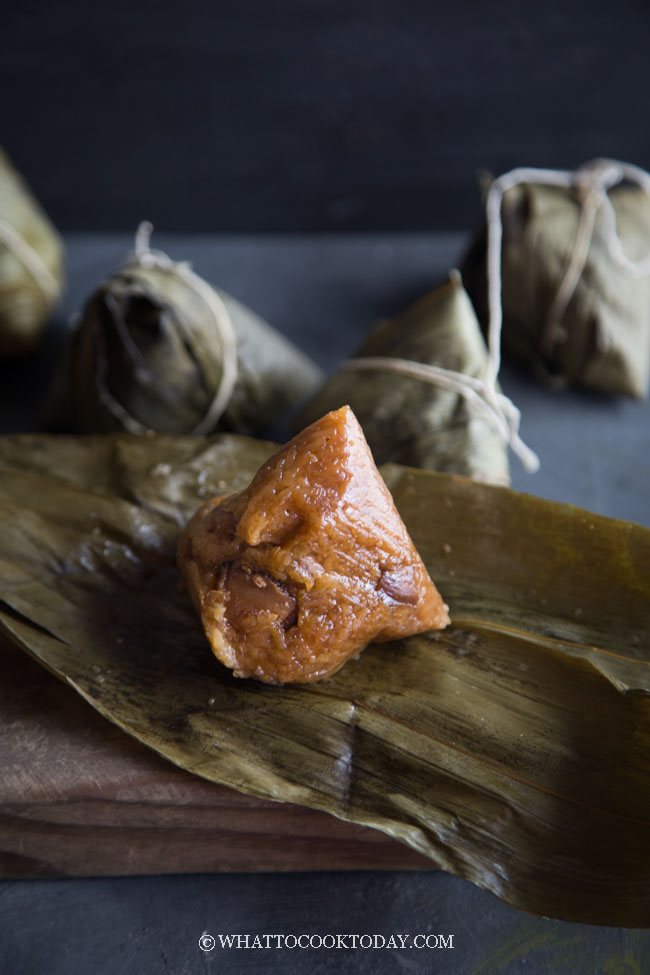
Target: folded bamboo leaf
602 339
407 420
31 265
512 748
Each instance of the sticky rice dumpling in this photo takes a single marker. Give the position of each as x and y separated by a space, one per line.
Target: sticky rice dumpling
147 354
601 339
406 419
31 265
310 563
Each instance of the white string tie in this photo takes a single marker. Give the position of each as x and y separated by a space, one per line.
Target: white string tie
591 183
31 261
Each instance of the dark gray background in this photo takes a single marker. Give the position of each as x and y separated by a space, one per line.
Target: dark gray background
261 115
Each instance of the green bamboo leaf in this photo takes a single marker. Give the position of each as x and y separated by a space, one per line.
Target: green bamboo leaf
149 352
601 340
512 748
407 419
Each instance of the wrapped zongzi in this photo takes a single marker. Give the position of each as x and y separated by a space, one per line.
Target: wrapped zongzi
575 307
157 348
412 419
31 265
311 562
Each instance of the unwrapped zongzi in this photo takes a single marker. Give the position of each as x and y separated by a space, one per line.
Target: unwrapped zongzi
311 562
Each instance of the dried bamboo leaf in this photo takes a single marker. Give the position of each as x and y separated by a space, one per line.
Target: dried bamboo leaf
512 748
145 355
407 420
31 265
602 341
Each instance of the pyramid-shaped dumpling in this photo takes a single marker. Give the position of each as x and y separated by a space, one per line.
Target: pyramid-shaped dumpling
309 564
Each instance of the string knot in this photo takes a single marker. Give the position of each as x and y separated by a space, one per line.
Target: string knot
595 178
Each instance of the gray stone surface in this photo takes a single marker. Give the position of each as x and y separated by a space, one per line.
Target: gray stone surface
152 926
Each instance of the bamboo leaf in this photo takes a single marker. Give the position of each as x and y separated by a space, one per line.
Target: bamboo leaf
512 748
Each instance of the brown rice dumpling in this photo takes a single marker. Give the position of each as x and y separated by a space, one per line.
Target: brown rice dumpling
148 354
31 265
601 339
310 563
413 421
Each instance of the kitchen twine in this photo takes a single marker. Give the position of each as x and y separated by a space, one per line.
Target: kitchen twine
144 256
31 261
591 183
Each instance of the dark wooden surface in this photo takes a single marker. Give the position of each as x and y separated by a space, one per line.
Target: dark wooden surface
78 797
311 114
